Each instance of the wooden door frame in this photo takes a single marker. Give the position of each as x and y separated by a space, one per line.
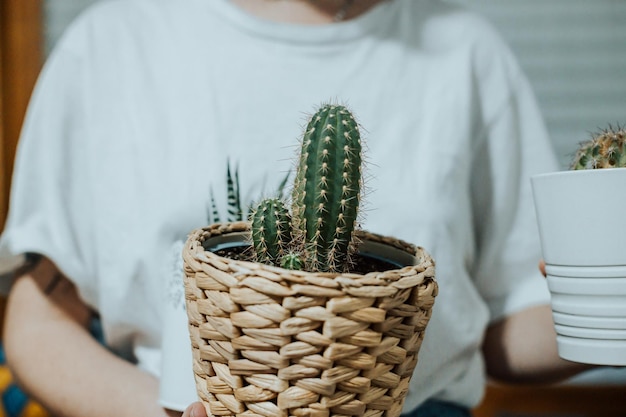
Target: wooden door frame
21 58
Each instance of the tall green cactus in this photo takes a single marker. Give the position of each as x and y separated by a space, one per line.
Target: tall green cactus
605 150
271 230
327 188
325 197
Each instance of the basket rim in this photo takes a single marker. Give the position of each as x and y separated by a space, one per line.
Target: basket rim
423 264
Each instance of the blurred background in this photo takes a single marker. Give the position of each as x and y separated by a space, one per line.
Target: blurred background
573 51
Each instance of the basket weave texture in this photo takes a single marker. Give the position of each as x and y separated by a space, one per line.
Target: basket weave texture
273 342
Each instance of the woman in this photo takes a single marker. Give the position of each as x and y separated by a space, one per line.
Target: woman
144 102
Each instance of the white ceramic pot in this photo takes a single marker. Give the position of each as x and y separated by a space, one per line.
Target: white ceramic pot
597 351
610 271
594 322
589 305
579 217
591 333
587 286
580 224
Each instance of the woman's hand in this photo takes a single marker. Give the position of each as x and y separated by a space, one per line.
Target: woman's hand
195 410
72 375
542 267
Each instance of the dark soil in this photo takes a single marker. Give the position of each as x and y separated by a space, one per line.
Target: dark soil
363 264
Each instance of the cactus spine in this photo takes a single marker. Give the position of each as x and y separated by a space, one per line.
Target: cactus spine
325 198
605 150
327 188
271 230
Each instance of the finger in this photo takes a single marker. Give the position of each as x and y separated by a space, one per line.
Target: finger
542 267
195 410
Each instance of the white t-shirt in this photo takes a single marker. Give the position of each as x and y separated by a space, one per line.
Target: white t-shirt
144 103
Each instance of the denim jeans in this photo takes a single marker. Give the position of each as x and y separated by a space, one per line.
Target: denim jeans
435 408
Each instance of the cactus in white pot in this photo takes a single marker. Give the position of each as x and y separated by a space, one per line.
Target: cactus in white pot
606 149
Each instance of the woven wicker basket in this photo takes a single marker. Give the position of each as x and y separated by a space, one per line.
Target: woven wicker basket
272 342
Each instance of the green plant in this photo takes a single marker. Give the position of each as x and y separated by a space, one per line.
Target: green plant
271 230
605 150
234 209
326 194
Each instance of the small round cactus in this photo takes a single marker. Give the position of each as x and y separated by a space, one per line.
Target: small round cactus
605 150
291 260
271 230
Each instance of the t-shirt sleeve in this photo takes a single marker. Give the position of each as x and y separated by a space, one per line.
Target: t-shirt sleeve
514 147
50 188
